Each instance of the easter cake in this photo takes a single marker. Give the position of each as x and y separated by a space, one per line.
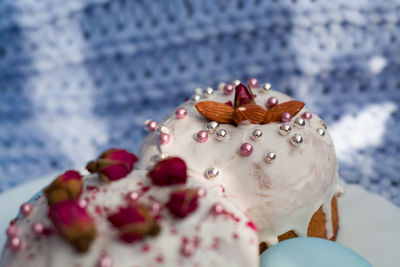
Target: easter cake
271 156
119 217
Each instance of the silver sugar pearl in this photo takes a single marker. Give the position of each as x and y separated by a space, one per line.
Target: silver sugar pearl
236 82
256 134
162 129
285 128
266 87
157 157
221 134
162 156
296 139
209 91
299 122
321 131
198 91
195 98
212 173
212 127
340 191
270 157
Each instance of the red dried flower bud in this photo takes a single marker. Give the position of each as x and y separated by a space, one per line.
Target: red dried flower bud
243 95
183 202
229 103
134 223
169 171
113 164
67 186
74 224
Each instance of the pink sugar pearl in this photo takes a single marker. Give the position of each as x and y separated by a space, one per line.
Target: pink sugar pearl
218 209
246 149
132 196
272 102
26 209
286 117
228 89
253 83
155 207
38 228
180 113
105 261
15 243
202 136
12 231
164 138
306 115
82 203
151 125
201 192
188 248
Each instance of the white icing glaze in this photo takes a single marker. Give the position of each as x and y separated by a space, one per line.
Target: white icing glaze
279 196
327 209
237 242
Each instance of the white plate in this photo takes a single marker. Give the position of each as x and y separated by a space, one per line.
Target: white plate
369 224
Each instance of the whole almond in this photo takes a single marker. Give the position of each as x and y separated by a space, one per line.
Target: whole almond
274 114
215 111
251 112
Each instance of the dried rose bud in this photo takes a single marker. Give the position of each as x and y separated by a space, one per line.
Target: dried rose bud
113 164
229 103
183 202
67 186
169 171
243 95
134 223
74 224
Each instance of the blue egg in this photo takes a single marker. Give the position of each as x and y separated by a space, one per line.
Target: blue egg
311 252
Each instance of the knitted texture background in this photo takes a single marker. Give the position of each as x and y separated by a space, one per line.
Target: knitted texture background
79 76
